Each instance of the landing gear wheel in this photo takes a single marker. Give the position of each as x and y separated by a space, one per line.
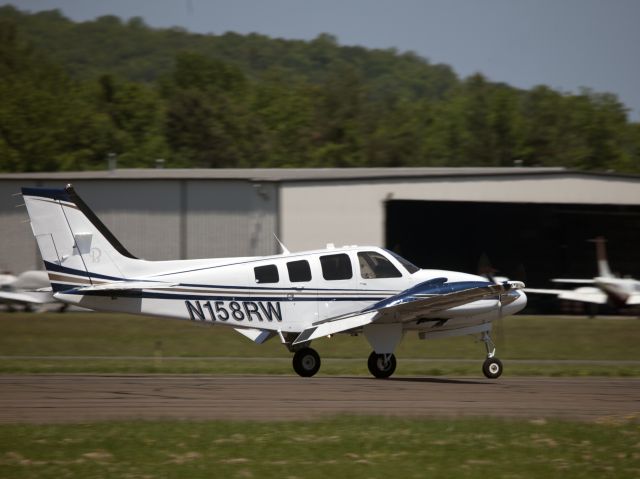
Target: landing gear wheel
381 365
492 368
306 362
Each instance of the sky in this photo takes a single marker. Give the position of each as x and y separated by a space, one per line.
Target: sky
566 44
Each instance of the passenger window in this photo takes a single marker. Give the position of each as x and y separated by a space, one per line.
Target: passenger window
374 265
336 266
266 274
299 271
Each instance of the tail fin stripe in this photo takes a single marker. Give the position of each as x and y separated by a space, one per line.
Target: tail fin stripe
91 216
51 193
49 266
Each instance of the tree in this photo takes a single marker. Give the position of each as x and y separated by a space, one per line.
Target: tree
71 93
206 123
338 120
283 117
45 123
135 114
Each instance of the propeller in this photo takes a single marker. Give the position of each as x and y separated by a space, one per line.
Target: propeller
486 269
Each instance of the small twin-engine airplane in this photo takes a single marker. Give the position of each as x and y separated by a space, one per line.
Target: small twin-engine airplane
605 288
298 297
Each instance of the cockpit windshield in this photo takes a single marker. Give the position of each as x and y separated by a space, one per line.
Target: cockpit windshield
408 265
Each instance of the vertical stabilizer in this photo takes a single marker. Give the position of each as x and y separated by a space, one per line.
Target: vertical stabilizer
601 256
76 247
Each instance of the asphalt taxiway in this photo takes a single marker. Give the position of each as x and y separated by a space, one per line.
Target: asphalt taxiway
83 398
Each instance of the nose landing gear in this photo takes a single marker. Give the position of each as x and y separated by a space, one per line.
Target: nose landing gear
492 366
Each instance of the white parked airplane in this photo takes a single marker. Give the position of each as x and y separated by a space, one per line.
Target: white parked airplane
607 288
297 297
29 289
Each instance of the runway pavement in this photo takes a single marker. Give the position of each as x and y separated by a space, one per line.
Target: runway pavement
82 398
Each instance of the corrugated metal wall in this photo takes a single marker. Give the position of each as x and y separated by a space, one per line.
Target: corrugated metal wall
230 218
156 220
17 246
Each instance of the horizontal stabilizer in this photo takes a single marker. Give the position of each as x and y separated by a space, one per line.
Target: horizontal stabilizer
124 286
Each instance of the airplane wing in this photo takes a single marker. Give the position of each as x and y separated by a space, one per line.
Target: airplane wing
573 281
585 295
407 306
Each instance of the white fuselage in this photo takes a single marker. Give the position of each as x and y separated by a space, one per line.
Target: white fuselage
285 293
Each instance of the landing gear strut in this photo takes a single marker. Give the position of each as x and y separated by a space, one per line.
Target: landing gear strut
306 362
492 366
381 365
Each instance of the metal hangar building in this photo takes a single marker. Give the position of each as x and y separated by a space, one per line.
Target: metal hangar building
525 223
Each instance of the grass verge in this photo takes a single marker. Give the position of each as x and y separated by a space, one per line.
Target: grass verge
116 343
340 447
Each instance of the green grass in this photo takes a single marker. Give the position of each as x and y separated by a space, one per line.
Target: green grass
354 447
282 366
368 447
168 346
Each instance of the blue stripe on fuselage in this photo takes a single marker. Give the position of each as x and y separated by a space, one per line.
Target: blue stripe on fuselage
181 296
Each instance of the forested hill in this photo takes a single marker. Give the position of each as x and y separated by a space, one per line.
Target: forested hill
136 52
73 93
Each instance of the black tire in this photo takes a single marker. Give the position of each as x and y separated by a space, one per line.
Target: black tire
492 368
377 366
306 362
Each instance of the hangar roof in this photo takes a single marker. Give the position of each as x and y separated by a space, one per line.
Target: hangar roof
302 174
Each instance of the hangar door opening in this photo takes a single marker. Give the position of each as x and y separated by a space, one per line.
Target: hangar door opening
532 242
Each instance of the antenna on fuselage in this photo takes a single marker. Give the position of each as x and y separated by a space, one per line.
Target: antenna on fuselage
284 248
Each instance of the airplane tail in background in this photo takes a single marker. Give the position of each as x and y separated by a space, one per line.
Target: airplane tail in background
601 255
76 247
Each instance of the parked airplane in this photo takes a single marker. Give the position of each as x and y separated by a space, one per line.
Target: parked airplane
607 288
297 297
29 289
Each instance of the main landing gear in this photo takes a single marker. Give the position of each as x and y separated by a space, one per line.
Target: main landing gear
381 365
492 366
306 362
